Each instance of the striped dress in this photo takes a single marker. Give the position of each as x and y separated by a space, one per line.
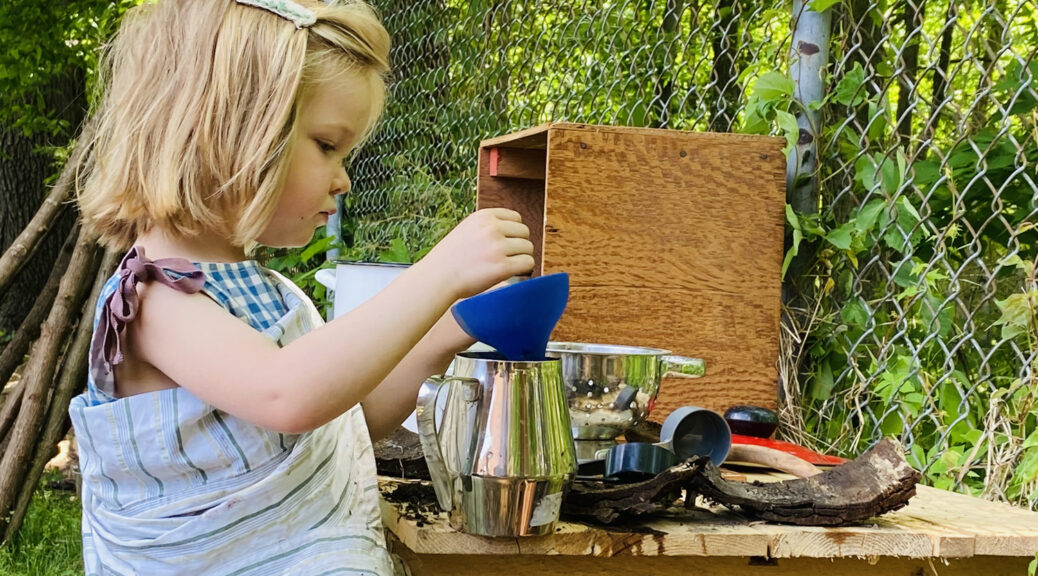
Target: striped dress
172 485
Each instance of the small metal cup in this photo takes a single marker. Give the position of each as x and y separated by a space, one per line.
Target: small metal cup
694 431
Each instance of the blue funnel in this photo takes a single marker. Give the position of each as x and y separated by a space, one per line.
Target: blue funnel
517 319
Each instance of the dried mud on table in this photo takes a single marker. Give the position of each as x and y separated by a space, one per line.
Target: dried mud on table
876 482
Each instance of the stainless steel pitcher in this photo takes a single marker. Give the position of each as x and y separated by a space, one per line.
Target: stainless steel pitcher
502 456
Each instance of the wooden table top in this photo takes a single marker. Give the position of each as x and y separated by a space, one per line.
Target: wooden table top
936 524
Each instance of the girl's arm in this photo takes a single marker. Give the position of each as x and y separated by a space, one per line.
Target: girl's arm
223 361
391 402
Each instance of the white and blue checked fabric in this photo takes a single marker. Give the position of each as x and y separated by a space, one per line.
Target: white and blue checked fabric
171 485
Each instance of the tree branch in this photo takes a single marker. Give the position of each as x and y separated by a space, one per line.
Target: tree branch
40 369
29 330
19 252
70 380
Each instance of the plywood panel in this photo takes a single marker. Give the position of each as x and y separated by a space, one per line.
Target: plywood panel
736 357
672 239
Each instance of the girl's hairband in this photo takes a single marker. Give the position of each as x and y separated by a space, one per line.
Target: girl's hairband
299 15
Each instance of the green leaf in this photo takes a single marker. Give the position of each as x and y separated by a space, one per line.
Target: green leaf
319 246
1018 313
892 424
1027 469
797 237
755 117
926 173
822 384
841 237
865 171
949 400
1011 260
906 205
850 91
773 86
855 313
890 177
916 457
1031 441
821 5
790 129
867 215
791 217
1017 90
878 122
397 252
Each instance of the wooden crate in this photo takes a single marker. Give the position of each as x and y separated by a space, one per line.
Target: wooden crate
672 239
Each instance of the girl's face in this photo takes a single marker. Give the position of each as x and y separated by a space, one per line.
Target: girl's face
332 116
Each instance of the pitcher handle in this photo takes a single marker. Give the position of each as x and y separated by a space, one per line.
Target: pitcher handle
682 366
425 414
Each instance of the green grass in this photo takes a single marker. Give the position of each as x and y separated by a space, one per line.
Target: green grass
49 542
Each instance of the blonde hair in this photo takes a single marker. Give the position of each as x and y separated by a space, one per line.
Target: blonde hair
197 120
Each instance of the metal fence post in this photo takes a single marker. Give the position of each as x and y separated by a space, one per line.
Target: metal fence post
809 56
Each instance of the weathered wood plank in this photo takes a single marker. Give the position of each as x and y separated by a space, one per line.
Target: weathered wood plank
576 565
926 528
996 528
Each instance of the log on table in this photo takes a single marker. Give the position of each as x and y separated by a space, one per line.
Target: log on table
606 503
400 455
876 482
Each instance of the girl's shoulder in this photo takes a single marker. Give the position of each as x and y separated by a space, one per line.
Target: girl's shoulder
245 289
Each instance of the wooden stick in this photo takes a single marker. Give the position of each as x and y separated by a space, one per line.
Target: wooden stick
8 413
40 369
19 252
774 459
70 380
29 330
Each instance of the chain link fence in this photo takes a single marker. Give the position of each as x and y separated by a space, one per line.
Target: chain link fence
924 325
915 314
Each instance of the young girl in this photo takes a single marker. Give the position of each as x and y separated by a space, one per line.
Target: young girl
225 430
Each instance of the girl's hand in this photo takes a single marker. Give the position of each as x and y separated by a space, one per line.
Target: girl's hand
487 247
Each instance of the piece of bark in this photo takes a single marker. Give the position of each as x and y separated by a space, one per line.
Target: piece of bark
400 455
607 503
876 482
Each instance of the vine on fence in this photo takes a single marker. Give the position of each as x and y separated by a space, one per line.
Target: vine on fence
894 351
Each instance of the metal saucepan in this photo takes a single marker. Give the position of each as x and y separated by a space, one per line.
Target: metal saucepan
611 389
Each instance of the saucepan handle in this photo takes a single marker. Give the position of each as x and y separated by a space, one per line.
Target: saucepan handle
682 366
